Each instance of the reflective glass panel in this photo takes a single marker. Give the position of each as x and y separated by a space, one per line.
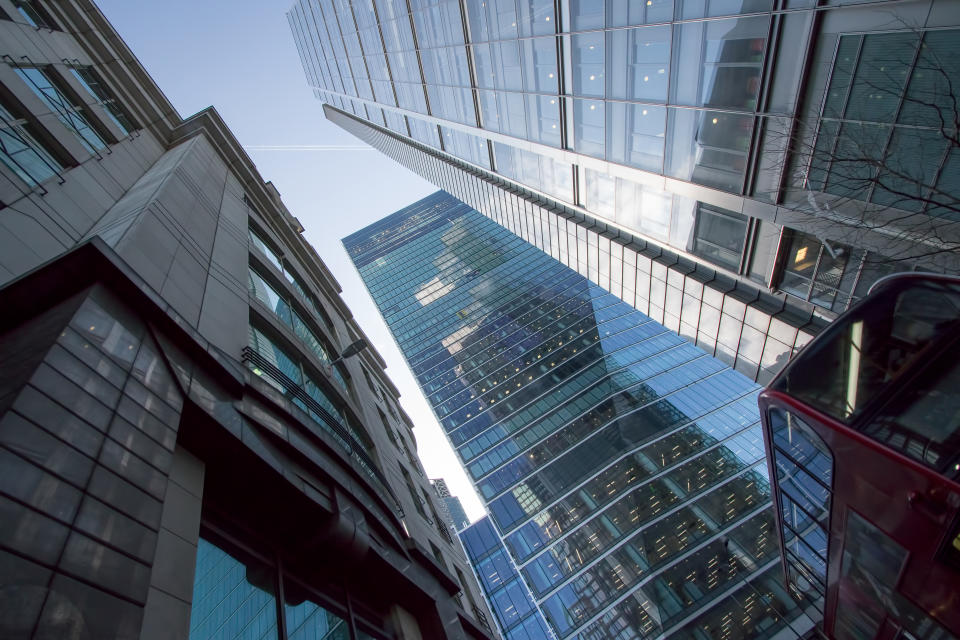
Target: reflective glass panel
635 135
587 63
717 63
232 599
638 63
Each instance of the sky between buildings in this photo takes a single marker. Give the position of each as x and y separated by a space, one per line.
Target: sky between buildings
239 56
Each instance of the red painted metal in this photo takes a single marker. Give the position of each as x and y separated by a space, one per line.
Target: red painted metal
890 516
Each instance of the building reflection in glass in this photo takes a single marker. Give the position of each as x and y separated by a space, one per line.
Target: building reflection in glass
622 467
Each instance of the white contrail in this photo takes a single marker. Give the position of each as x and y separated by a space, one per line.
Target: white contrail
306 147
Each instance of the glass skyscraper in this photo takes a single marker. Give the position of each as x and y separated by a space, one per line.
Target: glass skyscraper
622 467
734 143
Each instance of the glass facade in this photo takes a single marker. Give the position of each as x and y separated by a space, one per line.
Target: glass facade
623 468
235 596
690 124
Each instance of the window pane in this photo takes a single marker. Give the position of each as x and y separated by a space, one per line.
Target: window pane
543 124
909 168
269 296
484 66
587 62
22 153
308 620
91 82
853 161
512 113
585 14
588 135
638 61
536 17
275 356
265 249
720 236
540 65
717 63
881 73
622 13
231 598
709 147
506 61
635 135
68 113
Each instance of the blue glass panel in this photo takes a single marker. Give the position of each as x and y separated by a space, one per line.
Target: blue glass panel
231 599
635 135
308 620
638 63
587 64
588 131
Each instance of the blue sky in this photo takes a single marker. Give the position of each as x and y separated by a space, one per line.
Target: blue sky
239 56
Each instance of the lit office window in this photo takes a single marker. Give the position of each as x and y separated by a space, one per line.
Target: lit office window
828 274
70 114
91 82
22 152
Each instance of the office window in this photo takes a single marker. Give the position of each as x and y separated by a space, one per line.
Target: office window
259 288
887 116
70 114
635 135
709 147
638 63
540 64
265 249
586 63
22 152
91 82
35 15
623 13
719 236
824 274
229 598
717 63
588 133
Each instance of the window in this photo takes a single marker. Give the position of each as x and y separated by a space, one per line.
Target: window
257 241
87 77
417 500
267 294
889 116
720 236
825 273
235 595
22 152
270 351
35 15
70 114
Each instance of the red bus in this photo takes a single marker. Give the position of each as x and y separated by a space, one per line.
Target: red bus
862 433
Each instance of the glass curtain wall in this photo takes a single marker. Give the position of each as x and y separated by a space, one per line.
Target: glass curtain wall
623 469
236 595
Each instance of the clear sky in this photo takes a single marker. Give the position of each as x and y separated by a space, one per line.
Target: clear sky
239 56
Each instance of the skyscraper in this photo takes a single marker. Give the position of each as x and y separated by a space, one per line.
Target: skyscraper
717 164
622 466
187 449
453 509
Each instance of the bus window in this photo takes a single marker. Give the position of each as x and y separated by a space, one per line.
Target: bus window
857 360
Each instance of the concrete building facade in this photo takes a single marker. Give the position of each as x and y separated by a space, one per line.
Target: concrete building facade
739 171
184 453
